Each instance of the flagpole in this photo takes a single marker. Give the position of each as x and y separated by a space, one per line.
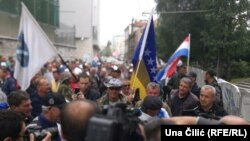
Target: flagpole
76 79
142 49
189 37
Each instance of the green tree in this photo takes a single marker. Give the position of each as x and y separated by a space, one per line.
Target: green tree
218 35
107 50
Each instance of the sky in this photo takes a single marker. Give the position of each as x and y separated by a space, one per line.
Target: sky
116 15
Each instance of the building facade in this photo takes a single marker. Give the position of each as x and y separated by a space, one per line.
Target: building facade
118 47
73 26
83 16
133 34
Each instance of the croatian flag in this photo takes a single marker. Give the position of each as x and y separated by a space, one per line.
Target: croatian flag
168 70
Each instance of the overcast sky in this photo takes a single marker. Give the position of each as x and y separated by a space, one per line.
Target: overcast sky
116 15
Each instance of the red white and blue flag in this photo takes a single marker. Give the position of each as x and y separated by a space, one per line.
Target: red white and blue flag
168 70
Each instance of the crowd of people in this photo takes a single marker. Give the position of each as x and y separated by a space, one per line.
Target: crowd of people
67 96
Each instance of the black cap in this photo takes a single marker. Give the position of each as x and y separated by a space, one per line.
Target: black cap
151 103
192 74
54 99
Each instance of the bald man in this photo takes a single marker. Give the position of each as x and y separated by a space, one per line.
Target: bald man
207 106
74 118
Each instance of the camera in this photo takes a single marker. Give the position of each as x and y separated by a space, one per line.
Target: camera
115 123
197 112
40 133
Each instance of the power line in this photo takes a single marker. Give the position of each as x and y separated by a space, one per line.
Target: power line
180 12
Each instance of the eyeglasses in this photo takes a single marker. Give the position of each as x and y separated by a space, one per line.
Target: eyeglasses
114 88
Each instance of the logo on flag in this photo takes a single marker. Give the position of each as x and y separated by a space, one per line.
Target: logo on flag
22 52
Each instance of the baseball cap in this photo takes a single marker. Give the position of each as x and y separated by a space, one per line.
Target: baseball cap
192 74
113 82
116 69
54 99
65 76
4 105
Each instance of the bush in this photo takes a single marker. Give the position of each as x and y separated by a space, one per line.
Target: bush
240 69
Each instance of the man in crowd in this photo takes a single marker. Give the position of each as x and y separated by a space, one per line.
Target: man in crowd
56 81
52 105
207 107
12 127
113 94
174 81
195 88
211 80
43 88
74 119
183 98
86 90
150 107
19 101
153 89
9 83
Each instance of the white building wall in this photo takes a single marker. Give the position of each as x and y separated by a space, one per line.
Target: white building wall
119 44
84 51
84 16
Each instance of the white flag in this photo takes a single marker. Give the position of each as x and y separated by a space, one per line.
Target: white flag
33 51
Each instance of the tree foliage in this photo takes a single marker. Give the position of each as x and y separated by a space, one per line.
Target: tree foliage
219 32
107 50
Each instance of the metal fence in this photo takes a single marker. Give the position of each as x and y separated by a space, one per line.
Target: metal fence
236 100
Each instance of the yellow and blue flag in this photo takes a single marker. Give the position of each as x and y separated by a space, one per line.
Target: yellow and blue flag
144 60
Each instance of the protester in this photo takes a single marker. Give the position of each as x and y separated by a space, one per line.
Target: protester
207 106
9 83
113 94
43 88
86 89
183 98
74 119
195 88
150 107
174 81
12 127
211 80
56 81
64 87
52 105
19 101
153 89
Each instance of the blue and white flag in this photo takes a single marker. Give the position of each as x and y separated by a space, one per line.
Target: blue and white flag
33 51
